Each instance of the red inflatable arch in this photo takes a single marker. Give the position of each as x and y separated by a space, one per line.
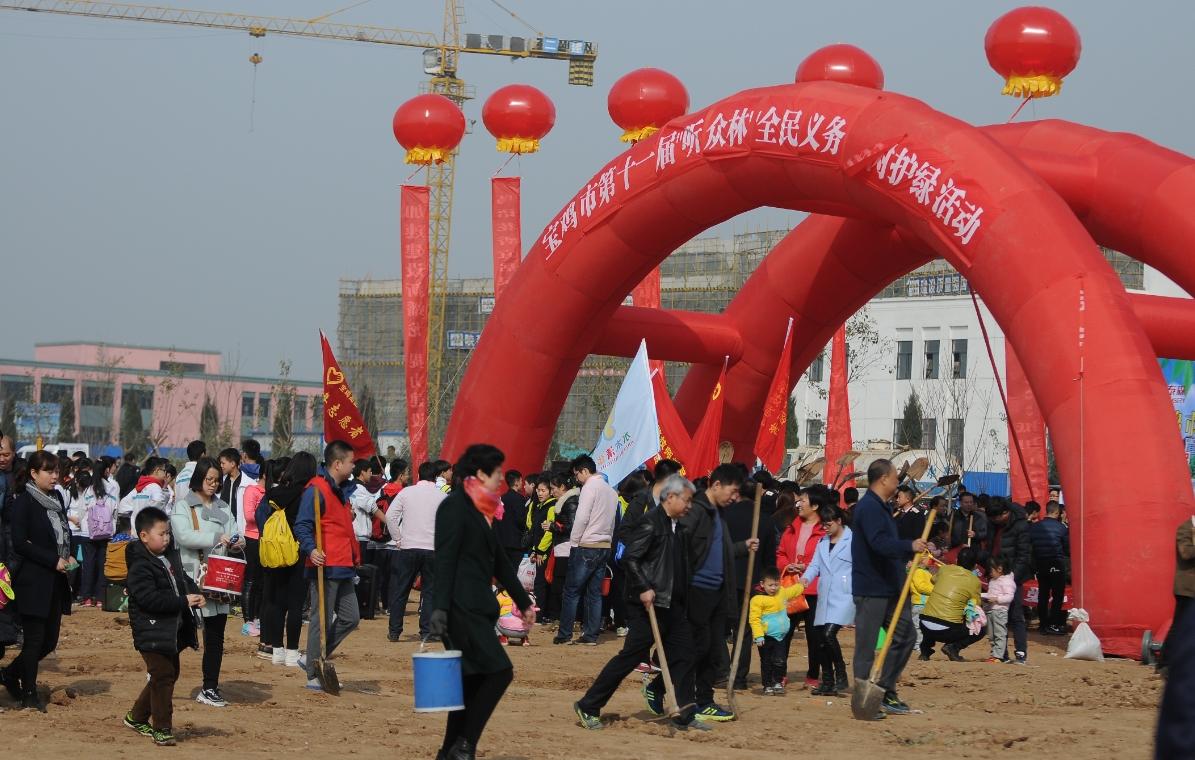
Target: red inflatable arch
920 183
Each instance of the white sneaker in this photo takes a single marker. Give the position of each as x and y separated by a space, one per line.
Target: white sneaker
211 697
292 658
301 662
278 657
622 631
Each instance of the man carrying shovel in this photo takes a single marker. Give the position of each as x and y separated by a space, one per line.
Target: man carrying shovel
879 557
658 572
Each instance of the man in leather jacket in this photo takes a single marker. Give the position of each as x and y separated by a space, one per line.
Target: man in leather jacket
658 571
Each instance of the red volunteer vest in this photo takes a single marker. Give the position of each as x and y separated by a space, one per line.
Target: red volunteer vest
340 541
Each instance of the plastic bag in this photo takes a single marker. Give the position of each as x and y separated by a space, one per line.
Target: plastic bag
527 574
1084 644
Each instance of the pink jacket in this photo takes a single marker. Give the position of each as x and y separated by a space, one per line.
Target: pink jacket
1001 591
593 525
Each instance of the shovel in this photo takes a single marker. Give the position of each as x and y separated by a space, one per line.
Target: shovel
325 671
742 629
867 696
671 709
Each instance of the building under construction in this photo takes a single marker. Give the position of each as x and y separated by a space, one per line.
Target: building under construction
703 275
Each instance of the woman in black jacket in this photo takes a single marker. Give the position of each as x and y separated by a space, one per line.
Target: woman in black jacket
41 543
468 557
285 587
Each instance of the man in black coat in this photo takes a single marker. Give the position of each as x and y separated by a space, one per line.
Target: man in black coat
514 518
1176 718
1050 542
738 519
658 570
711 594
1010 537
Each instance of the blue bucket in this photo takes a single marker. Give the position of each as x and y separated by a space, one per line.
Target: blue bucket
438 681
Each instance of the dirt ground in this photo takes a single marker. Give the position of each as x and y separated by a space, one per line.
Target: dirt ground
1053 707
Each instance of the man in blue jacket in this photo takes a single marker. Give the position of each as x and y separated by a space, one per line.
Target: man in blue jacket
879 558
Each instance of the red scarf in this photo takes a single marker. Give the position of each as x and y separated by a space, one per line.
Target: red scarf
145 480
488 502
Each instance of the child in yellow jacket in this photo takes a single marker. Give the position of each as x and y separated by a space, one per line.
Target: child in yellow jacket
923 586
769 625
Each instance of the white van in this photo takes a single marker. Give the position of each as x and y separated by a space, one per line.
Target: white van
71 448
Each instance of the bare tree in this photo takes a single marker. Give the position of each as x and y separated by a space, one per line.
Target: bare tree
170 404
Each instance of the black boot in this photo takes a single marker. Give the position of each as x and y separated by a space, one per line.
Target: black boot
842 685
462 750
33 702
825 686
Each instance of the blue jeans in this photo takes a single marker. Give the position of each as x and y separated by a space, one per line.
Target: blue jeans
586 569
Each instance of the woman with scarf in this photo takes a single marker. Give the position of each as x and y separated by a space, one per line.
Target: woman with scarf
797 546
467 558
41 549
201 524
285 589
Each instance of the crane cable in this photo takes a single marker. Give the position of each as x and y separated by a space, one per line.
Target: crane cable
318 19
517 17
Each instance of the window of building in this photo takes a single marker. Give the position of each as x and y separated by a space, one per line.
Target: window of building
181 368
954 440
263 409
95 411
931 359
813 432
317 412
142 397
817 369
299 417
904 359
56 391
929 433
958 348
247 406
17 388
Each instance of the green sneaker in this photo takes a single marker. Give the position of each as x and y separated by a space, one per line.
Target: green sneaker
592 722
714 713
655 700
164 738
142 728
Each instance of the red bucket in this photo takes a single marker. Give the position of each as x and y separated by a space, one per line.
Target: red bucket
225 575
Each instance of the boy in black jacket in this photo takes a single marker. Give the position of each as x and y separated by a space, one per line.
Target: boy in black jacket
160 604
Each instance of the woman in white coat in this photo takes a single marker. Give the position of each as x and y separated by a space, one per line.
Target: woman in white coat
201 524
836 604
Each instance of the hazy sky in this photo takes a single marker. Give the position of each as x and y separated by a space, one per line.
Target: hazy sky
137 206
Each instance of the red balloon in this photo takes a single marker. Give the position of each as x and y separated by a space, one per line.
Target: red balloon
429 127
842 63
644 100
1033 48
519 115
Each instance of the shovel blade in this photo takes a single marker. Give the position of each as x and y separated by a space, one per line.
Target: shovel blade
866 700
326 673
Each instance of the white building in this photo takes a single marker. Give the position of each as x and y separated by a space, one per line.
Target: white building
921 336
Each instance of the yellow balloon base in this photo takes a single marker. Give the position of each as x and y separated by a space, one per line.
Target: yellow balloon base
518 145
425 156
635 135
1038 86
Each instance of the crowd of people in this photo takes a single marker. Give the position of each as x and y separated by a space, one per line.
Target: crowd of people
595 563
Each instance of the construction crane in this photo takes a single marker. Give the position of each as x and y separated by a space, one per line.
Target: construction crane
440 57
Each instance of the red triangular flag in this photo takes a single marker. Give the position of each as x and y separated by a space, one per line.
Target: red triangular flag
342 419
769 442
675 442
838 411
706 439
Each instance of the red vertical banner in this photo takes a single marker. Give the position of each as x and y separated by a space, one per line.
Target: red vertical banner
342 418
506 230
838 410
705 441
1026 425
416 251
773 425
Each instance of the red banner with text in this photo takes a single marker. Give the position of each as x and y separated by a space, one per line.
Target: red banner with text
507 230
342 418
416 251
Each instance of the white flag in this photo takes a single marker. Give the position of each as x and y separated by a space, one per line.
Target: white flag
632 432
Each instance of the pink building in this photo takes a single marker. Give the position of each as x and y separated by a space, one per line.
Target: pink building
168 386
